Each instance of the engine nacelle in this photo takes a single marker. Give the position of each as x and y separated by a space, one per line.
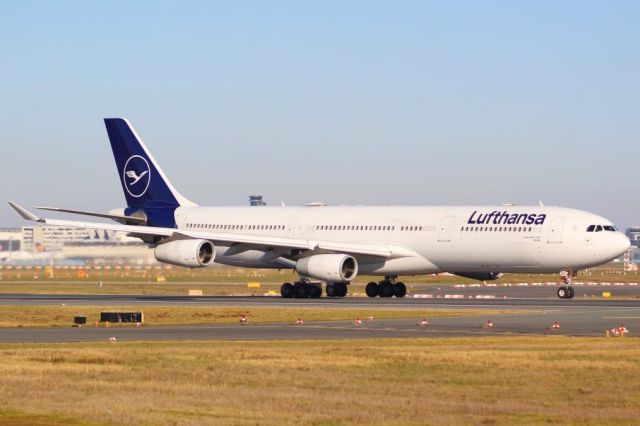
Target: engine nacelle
336 268
188 253
480 276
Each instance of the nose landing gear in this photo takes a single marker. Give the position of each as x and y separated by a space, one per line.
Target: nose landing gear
565 291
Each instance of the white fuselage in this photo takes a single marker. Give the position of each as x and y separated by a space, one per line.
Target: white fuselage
443 238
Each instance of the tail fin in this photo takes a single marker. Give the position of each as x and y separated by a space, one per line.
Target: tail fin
144 184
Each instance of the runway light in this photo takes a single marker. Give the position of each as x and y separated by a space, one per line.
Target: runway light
424 322
358 321
555 326
488 324
370 317
299 321
243 320
112 339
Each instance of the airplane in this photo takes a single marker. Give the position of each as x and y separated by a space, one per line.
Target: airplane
334 244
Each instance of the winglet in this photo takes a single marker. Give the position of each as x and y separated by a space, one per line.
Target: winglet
26 214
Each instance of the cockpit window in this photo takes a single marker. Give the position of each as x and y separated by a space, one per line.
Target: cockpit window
600 228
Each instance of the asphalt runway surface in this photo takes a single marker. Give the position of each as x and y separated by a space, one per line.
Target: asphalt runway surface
577 317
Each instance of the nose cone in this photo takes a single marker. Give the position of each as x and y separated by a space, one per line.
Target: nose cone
620 244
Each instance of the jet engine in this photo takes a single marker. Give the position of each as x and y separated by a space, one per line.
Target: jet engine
337 268
480 276
188 253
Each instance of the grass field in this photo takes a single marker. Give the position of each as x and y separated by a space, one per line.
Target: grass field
225 280
516 380
224 274
62 316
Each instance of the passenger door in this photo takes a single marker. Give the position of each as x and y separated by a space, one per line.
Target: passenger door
555 230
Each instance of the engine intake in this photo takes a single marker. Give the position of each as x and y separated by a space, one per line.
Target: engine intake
187 253
328 267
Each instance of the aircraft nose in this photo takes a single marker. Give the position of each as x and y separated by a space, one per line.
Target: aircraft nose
621 244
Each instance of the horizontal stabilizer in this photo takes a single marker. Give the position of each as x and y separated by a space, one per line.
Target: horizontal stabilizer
118 218
26 214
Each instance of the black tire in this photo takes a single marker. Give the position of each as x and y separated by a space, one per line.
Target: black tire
371 289
562 292
315 291
286 290
571 293
341 289
302 290
399 289
385 289
331 290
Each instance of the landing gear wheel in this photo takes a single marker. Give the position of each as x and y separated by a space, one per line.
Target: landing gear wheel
301 290
570 292
371 289
315 291
563 292
399 289
385 289
331 290
286 290
341 289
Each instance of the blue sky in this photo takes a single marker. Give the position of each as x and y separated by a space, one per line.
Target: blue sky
357 102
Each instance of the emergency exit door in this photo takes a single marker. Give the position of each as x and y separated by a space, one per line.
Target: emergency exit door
444 233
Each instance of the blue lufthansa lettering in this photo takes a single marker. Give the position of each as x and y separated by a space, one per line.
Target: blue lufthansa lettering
506 218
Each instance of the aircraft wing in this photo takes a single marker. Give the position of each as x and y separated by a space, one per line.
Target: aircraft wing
386 251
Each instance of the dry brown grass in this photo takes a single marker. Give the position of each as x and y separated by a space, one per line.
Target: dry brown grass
491 380
62 316
143 281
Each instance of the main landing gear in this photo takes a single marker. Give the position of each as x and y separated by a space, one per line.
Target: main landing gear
336 289
565 291
302 289
388 287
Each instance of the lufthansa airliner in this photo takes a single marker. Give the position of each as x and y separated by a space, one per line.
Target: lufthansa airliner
335 244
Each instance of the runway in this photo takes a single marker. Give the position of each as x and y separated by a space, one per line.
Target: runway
577 317
378 303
